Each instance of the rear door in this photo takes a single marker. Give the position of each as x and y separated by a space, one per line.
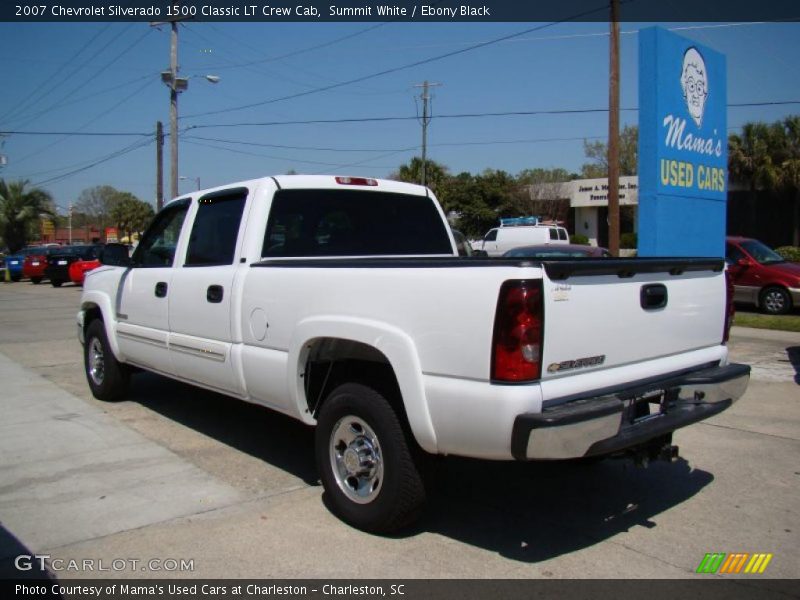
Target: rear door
143 296
200 300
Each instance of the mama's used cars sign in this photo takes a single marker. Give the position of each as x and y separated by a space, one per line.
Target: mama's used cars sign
683 150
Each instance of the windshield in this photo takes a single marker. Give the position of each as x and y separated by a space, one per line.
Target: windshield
761 253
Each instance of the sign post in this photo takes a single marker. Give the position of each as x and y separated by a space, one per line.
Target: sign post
683 147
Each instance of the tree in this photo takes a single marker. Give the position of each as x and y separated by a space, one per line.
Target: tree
767 157
19 211
545 192
597 151
435 173
130 215
97 203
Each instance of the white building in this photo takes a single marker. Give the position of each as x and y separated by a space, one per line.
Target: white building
588 198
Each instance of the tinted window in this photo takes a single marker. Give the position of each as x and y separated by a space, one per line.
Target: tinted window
491 236
157 248
553 234
215 230
733 254
562 234
353 223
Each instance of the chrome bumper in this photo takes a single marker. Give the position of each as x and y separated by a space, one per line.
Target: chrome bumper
80 321
607 423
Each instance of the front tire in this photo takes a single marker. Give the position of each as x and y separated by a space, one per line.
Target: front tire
776 301
36 280
56 283
107 377
365 461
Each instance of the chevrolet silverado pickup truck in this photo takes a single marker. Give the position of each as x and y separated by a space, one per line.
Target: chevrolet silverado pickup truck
342 302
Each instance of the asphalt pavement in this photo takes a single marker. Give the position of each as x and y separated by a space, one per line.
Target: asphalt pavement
180 482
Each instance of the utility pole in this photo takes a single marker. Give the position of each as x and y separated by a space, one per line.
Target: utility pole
159 165
426 119
173 111
613 133
69 222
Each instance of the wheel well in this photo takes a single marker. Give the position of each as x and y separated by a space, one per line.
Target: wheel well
91 312
334 361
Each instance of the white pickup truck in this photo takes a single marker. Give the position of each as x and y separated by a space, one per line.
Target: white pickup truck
342 302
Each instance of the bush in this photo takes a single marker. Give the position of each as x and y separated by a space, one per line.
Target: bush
579 239
629 241
791 253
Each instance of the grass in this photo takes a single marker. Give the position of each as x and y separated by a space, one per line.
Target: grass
744 318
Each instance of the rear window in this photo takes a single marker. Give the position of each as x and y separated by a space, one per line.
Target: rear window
553 234
353 223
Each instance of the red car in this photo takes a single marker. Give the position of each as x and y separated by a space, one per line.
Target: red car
761 276
79 268
36 262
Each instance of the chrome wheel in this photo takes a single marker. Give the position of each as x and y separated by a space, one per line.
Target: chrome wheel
356 459
97 363
775 301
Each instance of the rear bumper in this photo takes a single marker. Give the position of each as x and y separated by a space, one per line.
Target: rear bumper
604 424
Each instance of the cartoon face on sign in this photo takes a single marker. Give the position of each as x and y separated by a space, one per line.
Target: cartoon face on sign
694 82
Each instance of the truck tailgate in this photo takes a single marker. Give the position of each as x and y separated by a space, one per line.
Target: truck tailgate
602 314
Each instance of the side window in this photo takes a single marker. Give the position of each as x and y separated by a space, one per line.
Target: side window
491 236
215 230
157 248
553 233
562 233
733 254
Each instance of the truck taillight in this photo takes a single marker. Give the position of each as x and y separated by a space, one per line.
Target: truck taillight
730 309
356 181
518 332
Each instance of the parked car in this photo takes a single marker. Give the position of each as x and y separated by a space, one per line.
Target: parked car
761 276
79 268
560 251
500 240
341 302
58 263
35 263
14 264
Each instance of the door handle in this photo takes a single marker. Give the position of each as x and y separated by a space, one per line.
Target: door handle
214 294
161 289
654 296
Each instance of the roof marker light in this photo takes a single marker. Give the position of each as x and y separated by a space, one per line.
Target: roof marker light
356 181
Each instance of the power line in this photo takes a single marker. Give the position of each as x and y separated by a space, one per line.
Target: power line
365 120
113 155
400 68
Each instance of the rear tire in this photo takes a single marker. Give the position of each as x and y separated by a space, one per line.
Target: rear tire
107 377
365 461
56 283
36 280
16 277
775 301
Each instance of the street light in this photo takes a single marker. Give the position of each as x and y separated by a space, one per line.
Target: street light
196 180
176 85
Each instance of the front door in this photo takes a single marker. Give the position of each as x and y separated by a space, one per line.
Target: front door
143 295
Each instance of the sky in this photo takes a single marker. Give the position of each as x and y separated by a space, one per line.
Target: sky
105 78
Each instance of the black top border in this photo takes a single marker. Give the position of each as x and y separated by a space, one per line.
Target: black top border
316 11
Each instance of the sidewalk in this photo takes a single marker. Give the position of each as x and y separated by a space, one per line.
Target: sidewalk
69 472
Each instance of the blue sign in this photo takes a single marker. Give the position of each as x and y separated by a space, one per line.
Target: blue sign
683 147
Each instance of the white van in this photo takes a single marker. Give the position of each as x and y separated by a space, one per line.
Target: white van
501 239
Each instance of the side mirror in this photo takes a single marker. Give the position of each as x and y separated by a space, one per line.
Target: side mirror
115 255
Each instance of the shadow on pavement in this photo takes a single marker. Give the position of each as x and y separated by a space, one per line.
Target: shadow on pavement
532 512
12 553
793 352
524 511
254 430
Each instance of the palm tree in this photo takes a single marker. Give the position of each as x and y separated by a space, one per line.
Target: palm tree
790 170
19 209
